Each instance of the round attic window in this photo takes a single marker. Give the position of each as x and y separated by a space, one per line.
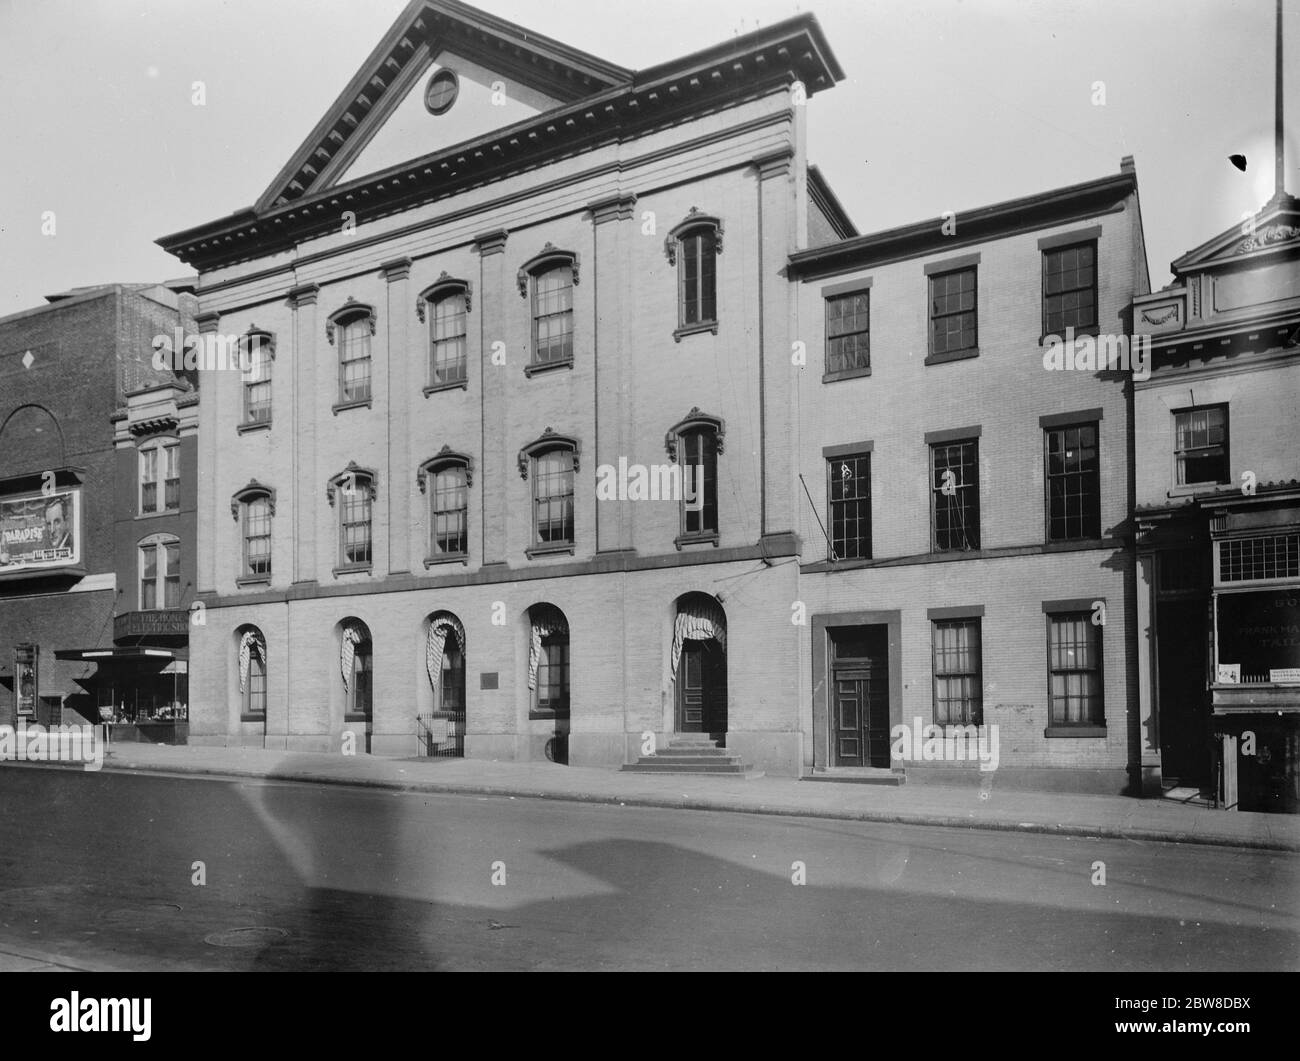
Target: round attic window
442 90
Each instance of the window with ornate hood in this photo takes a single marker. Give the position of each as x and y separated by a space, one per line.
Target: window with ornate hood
693 247
444 308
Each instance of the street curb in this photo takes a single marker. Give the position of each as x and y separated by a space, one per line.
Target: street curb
1103 832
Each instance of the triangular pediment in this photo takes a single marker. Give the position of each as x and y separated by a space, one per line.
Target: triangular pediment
1275 225
503 74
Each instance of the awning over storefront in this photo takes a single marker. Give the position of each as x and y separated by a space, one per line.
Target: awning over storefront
117 653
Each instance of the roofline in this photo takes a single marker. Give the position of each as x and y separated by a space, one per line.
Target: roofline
830 203
1187 261
973 226
562 126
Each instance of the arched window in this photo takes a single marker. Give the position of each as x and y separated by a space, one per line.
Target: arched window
548 660
694 246
253 507
551 278
160 476
446 305
354 325
445 661
357 665
694 444
252 674
160 572
355 490
446 480
257 350
552 461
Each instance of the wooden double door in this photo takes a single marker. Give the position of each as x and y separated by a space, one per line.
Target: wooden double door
860 698
702 688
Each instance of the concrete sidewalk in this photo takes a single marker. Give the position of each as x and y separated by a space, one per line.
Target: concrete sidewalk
1067 814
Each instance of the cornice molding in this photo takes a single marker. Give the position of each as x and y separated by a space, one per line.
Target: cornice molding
353 477
398 269
351 308
617 207
696 419
303 295
445 457
445 284
550 255
251 492
548 440
693 220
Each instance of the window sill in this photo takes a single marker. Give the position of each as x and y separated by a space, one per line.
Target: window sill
1092 329
972 551
353 569
541 368
360 403
711 538
953 355
848 373
1075 731
438 388
555 549
546 716
356 718
695 329
254 425
253 580
439 561
252 718
1065 545
155 515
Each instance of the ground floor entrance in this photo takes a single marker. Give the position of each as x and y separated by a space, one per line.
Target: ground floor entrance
702 688
860 696
1186 751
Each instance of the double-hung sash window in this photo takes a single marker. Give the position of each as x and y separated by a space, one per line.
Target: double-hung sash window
958 680
1201 445
953 312
160 574
160 478
848 332
447 339
1073 483
553 314
553 497
698 276
698 459
955 495
356 496
848 485
257 537
1070 289
449 511
257 384
354 359
1074 669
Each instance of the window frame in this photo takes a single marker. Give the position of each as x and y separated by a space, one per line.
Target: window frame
166 576
1178 455
934 444
832 457
942 272
350 323
447 460
428 307
1079 610
249 709
550 260
977 710
363 481
258 347
696 236
550 442
164 455
1079 329
830 297
1092 532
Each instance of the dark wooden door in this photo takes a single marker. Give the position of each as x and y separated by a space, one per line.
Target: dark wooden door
702 688
860 722
1185 752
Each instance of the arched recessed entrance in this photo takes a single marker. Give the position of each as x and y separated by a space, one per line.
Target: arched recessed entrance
441 732
699 665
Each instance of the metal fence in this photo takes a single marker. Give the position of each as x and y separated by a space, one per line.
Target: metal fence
440 735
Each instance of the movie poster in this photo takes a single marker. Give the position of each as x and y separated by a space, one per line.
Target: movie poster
39 531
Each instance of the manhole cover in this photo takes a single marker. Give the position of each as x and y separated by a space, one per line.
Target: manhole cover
246 937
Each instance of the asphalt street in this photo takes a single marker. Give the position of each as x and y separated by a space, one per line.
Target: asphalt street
103 871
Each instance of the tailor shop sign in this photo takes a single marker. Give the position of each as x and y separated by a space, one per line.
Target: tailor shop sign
40 531
1260 632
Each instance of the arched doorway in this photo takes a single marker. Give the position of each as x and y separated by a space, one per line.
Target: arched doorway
356 667
699 665
441 732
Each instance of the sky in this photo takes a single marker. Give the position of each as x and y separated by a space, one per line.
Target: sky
946 105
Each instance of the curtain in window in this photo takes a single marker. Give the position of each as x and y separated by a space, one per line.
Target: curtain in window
697 620
545 624
437 641
352 636
251 643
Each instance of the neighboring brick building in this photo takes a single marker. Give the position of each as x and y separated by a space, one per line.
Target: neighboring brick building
966 537
411 527
66 371
1218 512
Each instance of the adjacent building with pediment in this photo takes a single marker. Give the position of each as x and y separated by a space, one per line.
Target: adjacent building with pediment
1217 458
